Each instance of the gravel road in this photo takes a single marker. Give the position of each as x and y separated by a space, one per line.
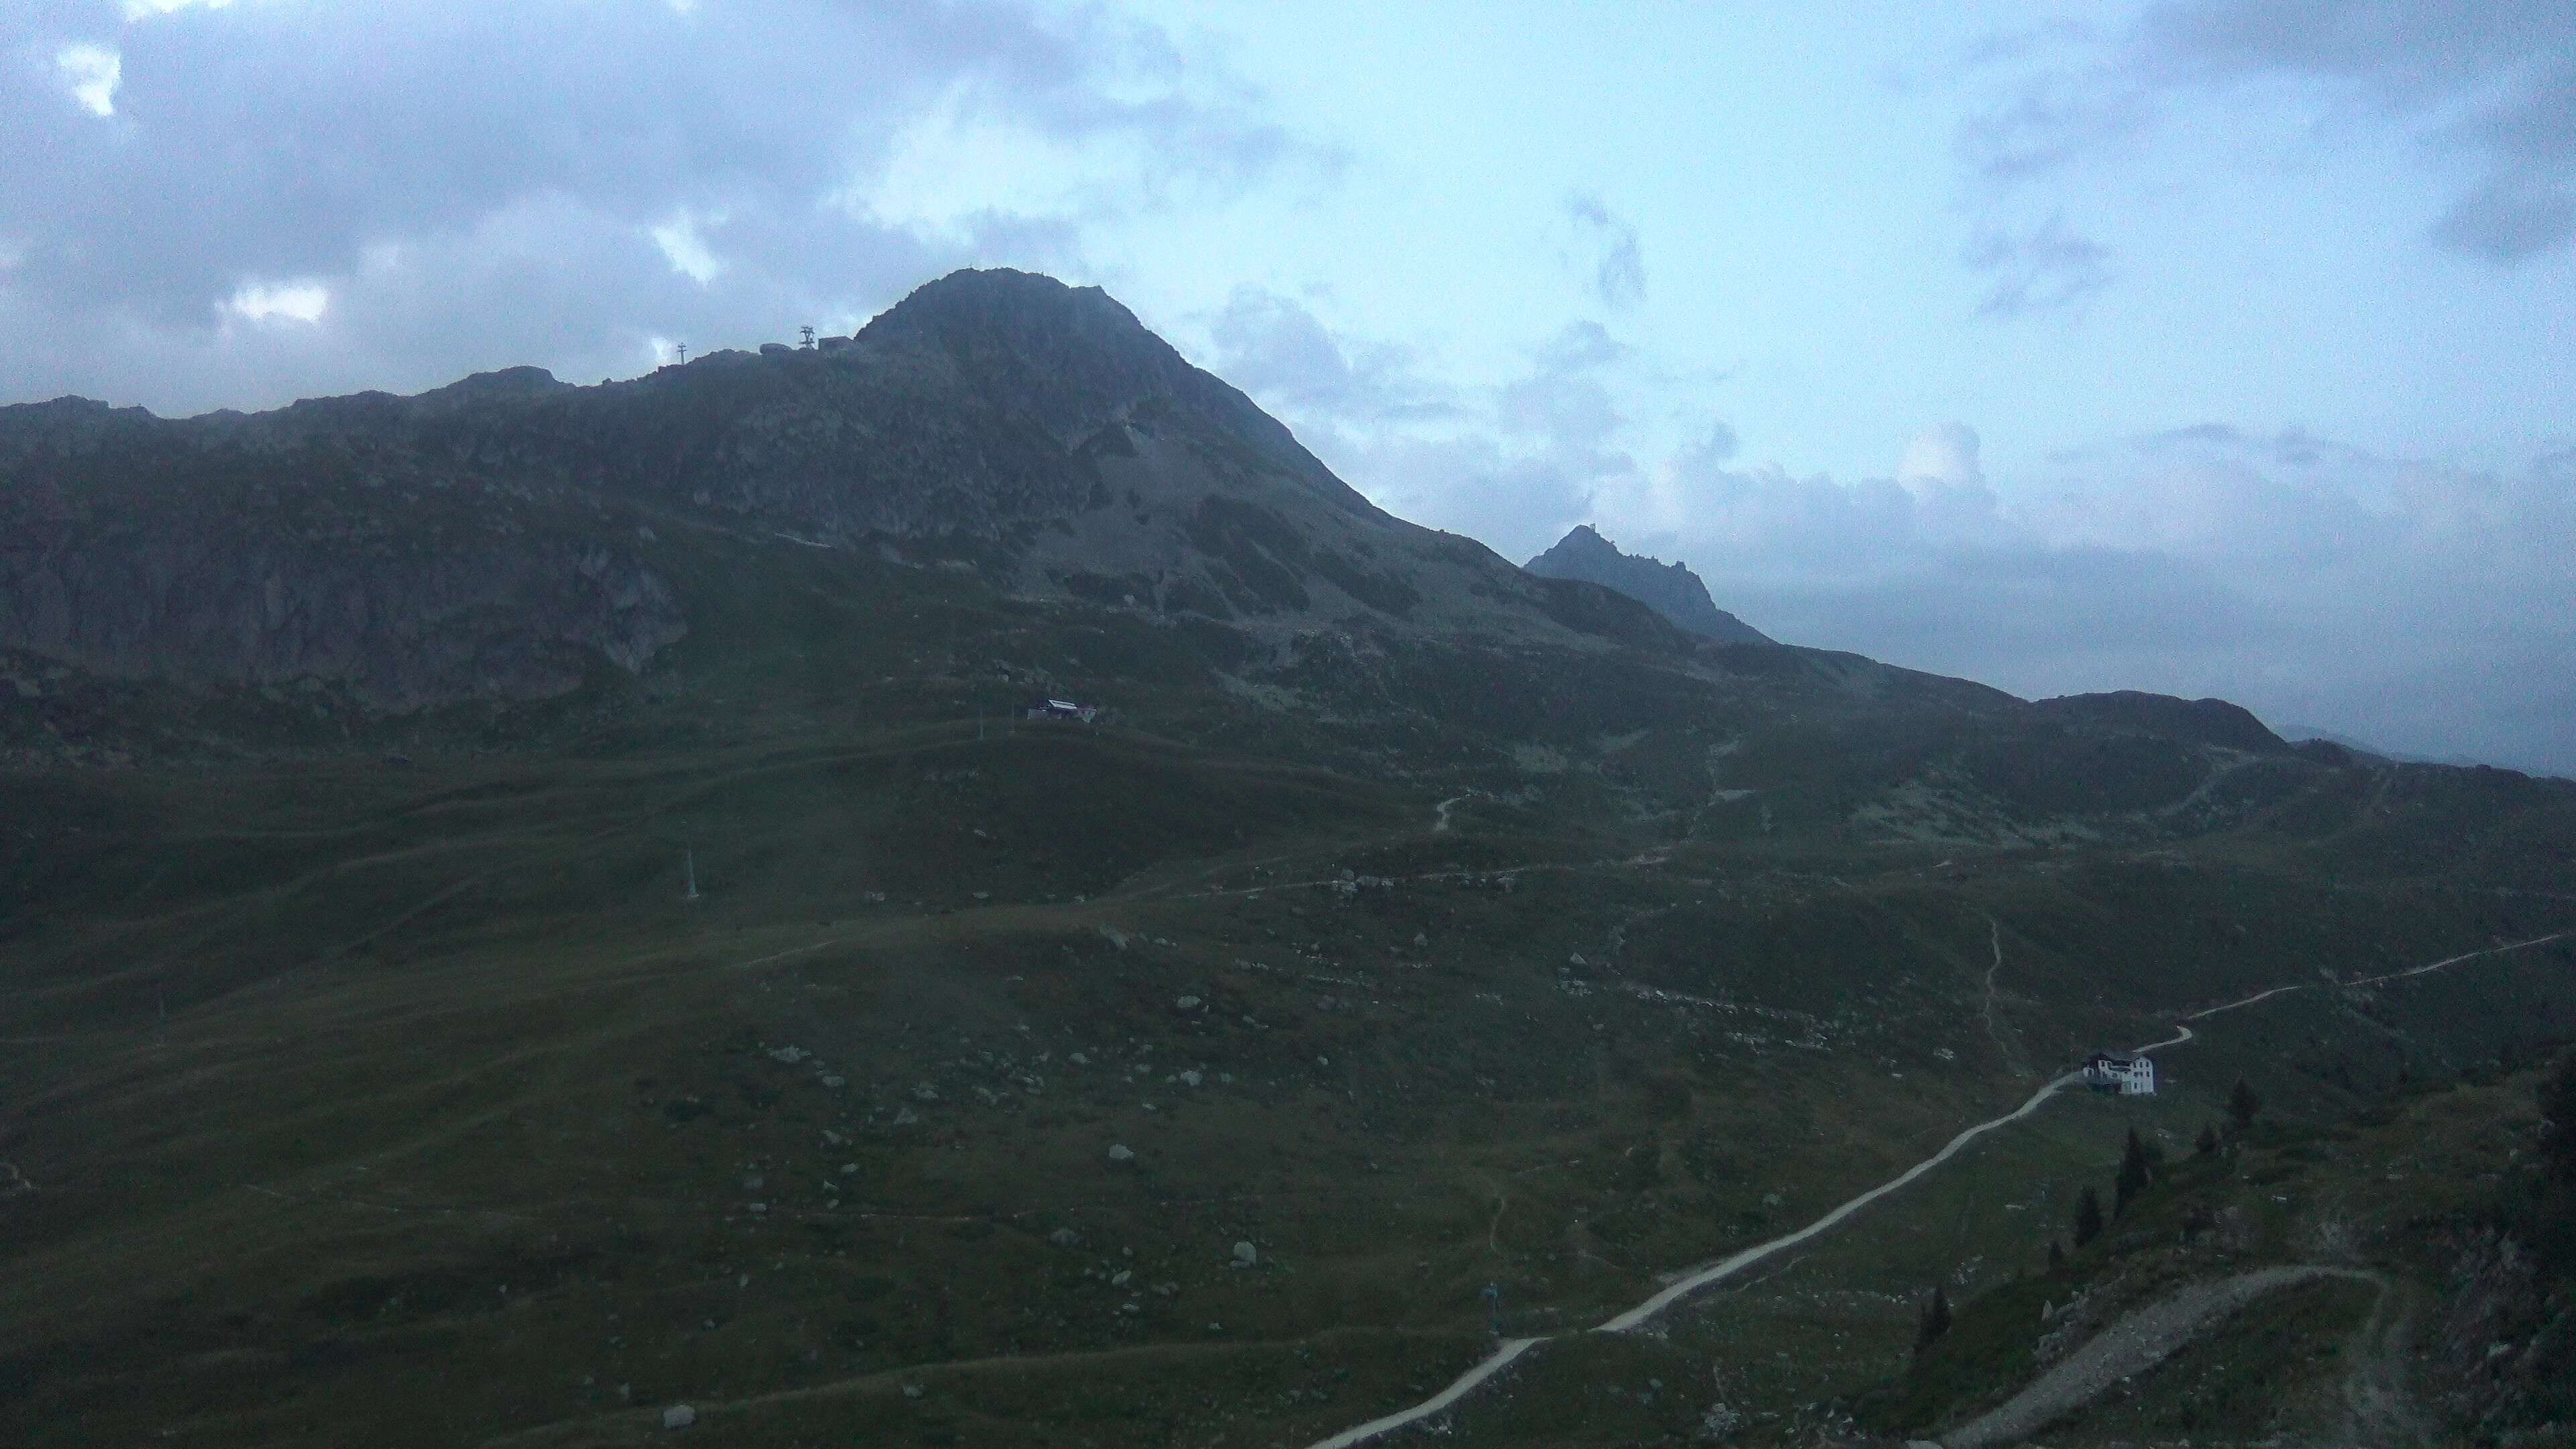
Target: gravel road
2131 1346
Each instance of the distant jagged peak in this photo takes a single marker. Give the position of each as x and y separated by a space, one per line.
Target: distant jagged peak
1670 589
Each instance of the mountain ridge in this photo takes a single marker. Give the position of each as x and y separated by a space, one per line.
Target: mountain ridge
1000 421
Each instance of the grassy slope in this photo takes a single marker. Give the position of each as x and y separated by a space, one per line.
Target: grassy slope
411 1102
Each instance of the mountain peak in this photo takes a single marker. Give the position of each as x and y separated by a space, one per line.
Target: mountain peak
1671 590
1032 325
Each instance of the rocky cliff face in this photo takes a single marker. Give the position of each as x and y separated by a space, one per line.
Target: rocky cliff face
1669 589
204 553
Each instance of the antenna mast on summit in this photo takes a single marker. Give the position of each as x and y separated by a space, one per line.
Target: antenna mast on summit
809 335
684 354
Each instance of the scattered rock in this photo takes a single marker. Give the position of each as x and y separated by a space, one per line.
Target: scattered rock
1191 1079
788 1054
903 1117
1064 1237
1119 1279
1187 1003
1120 1152
912 1391
1246 1255
679 1416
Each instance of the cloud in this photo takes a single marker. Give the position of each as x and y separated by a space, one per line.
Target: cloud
686 250
91 74
1273 348
1945 455
2487 92
2050 120
293 302
484 182
2508 220
1514 464
2041 270
1605 248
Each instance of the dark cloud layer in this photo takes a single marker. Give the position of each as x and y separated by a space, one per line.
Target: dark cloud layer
2039 270
477 182
2486 89
1606 250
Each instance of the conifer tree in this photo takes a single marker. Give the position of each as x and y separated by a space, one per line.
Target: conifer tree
2242 1104
2207 1143
2056 1255
2136 1171
2088 1216
1935 1322
2557 1100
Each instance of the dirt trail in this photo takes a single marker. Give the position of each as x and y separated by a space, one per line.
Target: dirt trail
2132 1346
1643 1313
2377 1408
2010 1050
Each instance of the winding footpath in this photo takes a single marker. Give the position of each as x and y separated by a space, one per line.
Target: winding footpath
1511 1349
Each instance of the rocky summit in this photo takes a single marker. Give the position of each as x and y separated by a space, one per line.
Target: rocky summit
1671 590
956 887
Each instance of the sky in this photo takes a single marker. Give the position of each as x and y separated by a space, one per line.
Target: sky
2213 347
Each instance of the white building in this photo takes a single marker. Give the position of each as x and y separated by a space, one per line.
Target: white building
2127 1075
